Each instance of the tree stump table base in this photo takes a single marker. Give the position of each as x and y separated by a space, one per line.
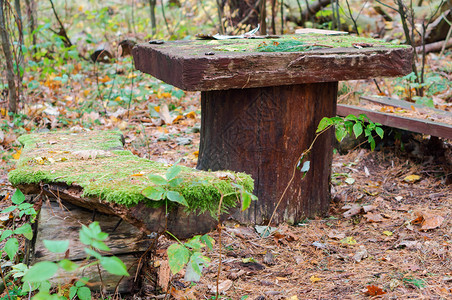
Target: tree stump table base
263 131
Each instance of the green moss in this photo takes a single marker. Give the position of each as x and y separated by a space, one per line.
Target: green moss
305 42
86 160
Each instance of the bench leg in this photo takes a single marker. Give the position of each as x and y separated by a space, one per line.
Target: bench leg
262 131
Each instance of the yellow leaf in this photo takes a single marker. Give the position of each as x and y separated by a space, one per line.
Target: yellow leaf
3 112
179 117
191 115
314 278
17 154
294 297
80 8
131 75
86 93
138 174
412 178
118 99
196 153
123 125
388 233
157 108
349 240
282 278
105 79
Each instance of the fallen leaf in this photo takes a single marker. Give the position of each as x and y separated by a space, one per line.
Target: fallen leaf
282 278
236 275
387 233
186 294
409 244
335 235
222 287
191 115
17 154
361 254
164 114
349 240
376 217
315 279
368 208
373 290
412 178
294 297
427 220
352 211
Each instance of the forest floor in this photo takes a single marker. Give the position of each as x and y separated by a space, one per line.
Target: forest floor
387 235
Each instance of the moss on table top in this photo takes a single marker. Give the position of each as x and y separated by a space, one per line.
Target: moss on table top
96 162
293 43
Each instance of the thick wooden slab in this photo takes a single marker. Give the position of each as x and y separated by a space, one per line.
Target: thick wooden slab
417 125
147 219
196 66
63 222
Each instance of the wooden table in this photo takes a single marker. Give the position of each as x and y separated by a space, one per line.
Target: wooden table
260 110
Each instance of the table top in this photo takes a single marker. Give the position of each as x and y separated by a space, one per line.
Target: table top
203 65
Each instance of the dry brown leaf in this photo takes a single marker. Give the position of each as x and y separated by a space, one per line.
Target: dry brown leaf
373 290
222 287
186 294
368 208
427 220
376 217
235 275
352 210
165 115
336 235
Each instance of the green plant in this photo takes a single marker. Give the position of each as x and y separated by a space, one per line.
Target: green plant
37 277
189 254
353 125
161 190
19 209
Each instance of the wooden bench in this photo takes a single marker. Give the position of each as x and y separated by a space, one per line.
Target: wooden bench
260 110
436 127
88 176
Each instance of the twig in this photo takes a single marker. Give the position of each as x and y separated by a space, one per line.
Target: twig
219 228
306 152
67 42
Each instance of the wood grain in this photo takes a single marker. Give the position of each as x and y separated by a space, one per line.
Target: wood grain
262 131
185 65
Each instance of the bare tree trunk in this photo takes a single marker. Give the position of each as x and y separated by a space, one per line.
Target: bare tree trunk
247 11
31 14
152 4
13 99
263 16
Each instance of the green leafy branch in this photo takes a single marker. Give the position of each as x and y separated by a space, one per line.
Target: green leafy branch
352 125
163 185
37 277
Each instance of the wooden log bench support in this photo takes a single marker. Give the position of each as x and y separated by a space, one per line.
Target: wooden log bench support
88 176
260 110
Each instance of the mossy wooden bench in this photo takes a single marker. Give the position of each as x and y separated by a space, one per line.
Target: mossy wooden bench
90 177
261 102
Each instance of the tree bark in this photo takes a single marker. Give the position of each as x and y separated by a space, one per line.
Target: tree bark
31 13
152 4
247 12
13 96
